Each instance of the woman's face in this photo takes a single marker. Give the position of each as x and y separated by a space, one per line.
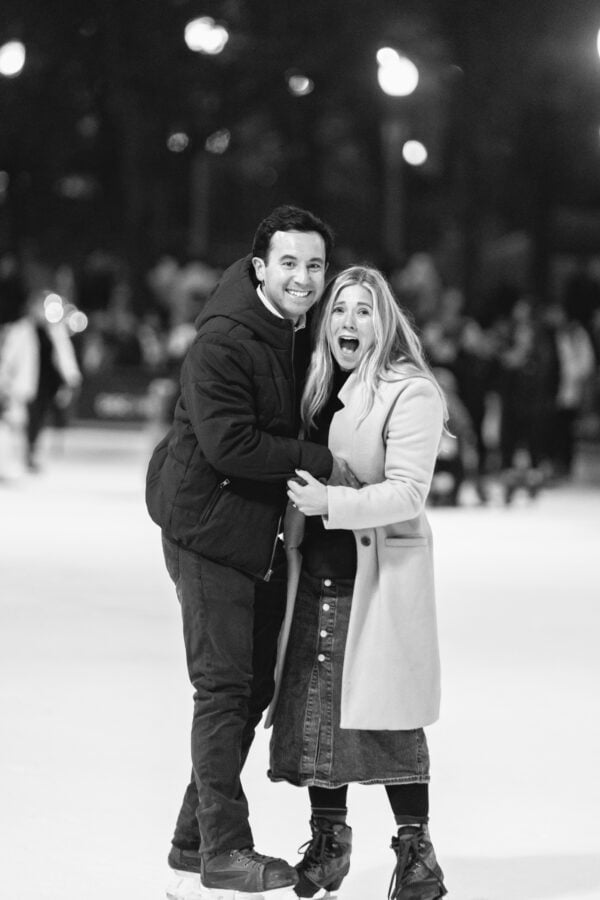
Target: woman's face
350 329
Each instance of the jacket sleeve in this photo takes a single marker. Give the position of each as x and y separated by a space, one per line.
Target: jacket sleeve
412 438
218 393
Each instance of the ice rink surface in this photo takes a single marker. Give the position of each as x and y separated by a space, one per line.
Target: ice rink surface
95 705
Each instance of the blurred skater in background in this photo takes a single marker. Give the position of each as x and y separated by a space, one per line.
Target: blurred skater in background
19 364
576 365
58 377
528 380
458 457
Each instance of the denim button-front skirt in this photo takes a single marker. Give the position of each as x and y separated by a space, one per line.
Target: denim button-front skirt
308 747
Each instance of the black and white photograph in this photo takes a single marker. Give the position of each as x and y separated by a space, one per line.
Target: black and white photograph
300 450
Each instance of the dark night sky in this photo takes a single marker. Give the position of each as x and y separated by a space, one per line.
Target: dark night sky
508 104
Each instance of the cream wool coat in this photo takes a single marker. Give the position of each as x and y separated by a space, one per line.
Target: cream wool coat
391 676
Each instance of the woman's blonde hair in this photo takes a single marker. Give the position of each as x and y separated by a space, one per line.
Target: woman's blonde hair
396 343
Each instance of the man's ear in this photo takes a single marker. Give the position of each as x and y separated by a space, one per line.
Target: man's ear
259 267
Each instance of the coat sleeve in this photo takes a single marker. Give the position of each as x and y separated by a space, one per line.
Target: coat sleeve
218 394
412 435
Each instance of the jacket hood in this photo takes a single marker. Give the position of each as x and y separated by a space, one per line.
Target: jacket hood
235 298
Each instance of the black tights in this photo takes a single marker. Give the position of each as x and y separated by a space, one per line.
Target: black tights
406 800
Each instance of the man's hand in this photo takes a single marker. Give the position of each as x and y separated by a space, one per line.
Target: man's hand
342 474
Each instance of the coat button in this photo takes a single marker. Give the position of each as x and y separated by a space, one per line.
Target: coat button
321 657
323 634
365 541
327 582
326 607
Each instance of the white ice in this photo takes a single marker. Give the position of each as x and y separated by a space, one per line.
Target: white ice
95 705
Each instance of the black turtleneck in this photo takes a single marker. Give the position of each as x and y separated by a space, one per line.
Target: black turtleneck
328 554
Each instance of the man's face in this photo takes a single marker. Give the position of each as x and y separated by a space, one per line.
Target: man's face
293 275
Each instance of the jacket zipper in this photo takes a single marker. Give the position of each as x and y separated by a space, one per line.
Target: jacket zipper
213 499
269 572
292 355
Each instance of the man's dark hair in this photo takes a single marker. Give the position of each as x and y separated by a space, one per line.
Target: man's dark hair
289 218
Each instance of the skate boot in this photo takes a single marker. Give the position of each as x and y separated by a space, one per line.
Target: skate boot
417 875
326 860
247 872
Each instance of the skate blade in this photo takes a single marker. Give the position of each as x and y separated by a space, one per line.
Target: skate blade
286 893
184 886
187 886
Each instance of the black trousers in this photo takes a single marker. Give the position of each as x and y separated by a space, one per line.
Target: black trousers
230 626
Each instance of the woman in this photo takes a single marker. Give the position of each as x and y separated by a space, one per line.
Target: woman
361 675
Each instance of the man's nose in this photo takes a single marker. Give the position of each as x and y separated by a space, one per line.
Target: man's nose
302 274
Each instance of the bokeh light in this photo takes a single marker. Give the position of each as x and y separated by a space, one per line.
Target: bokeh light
12 59
414 153
397 75
178 142
77 321
218 142
204 35
53 308
300 85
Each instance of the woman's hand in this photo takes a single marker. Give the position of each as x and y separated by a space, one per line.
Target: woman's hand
307 494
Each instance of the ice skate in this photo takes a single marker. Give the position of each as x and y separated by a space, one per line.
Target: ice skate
417 875
326 861
246 872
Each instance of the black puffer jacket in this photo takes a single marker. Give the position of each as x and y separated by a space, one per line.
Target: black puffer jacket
216 482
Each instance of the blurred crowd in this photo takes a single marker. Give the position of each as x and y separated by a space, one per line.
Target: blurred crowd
522 382
522 377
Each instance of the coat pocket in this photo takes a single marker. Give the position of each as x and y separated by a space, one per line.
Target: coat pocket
212 500
416 541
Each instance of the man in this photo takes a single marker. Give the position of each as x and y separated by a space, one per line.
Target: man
217 487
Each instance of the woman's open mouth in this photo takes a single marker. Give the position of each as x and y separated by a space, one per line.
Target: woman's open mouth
348 345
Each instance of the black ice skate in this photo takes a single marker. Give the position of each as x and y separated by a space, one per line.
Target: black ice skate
417 875
246 871
326 860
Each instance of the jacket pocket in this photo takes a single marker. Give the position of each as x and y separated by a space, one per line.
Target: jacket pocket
416 541
213 499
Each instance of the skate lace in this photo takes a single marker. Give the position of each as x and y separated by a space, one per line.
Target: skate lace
320 846
403 849
251 858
